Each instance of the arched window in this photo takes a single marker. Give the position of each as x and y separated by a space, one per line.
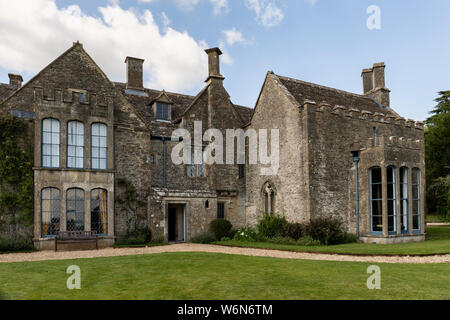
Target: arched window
269 198
99 148
75 145
50 143
404 200
416 200
50 211
99 211
376 200
75 210
391 199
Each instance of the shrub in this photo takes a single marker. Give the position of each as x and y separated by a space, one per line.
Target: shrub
159 240
246 234
350 238
220 228
271 226
308 241
16 243
293 230
136 237
326 230
203 239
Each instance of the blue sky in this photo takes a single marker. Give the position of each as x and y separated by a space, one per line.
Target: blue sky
322 41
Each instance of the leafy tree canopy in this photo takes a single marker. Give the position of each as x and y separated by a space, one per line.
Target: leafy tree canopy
437 148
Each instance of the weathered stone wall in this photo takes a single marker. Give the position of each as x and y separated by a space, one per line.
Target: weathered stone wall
74 88
334 132
276 109
132 162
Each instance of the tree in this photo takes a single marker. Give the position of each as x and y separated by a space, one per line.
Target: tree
437 151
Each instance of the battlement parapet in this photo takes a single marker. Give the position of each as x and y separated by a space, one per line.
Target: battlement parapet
402 142
353 113
72 97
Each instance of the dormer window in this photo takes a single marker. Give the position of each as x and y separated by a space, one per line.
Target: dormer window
162 111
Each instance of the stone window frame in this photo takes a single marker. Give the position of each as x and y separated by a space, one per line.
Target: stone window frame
269 193
76 201
105 227
416 173
83 94
169 111
404 199
376 132
413 199
51 144
392 185
76 146
221 210
58 216
372 199
196 171
99 147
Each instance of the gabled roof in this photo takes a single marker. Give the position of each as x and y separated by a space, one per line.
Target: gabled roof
142 103
245 113
303 91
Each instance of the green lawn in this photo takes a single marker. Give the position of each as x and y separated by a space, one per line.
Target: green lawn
438 242
218 276
436 218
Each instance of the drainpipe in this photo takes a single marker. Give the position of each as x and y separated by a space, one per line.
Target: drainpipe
356 158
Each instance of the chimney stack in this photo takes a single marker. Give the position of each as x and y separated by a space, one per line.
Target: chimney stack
367 77
15 80
135 78
214 63
378 75
374 84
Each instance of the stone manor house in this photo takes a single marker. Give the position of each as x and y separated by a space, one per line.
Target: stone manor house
341 154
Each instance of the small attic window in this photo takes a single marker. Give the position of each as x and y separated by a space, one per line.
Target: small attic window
162 111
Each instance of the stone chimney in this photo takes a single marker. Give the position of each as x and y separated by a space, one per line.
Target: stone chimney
367 77
135 77
15 80
374 84
214 63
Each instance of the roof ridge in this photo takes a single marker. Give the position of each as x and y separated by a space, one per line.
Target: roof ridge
168 92
322 86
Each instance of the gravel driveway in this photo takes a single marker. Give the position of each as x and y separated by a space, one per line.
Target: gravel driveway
189 247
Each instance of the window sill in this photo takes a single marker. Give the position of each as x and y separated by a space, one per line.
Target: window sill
77 170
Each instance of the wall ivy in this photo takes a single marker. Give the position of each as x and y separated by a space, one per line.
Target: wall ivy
16 175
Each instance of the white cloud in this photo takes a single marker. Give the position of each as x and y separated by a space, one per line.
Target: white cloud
174 60
233 36
267 12
187 4
226 57
219 6
166 20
